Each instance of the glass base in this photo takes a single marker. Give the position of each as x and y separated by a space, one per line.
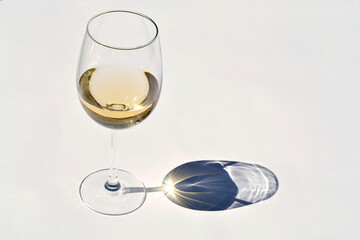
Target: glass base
127 199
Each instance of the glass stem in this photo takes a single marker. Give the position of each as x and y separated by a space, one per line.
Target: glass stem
113 184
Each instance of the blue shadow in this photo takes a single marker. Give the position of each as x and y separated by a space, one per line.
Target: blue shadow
211 185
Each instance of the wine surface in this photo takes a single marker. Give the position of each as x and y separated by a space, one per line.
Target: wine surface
118 97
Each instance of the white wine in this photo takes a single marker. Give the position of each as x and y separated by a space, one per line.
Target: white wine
118 97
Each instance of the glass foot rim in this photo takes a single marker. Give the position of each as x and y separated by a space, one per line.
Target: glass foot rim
112 214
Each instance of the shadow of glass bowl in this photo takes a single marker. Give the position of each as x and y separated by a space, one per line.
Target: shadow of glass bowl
213 185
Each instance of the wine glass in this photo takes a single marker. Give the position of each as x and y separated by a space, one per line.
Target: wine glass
119 80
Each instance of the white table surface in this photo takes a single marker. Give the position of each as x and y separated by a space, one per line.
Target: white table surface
269 82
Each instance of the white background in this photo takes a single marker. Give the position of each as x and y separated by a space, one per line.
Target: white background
270 82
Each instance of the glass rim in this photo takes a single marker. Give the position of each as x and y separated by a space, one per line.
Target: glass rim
123 48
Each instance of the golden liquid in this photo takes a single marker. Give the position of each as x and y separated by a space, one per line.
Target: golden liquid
118 97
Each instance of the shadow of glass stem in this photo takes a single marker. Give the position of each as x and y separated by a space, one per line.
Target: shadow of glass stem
211 185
